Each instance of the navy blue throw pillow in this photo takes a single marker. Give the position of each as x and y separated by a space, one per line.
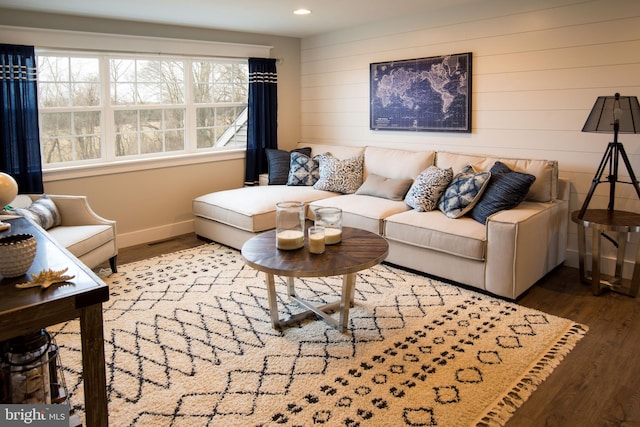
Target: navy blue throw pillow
506 190
279 162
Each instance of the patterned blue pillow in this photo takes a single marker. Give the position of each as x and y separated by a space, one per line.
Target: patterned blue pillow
506 190
427 188
303 170
464 192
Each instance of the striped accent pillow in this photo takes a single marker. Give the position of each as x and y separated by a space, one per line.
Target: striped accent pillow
506 190
43 212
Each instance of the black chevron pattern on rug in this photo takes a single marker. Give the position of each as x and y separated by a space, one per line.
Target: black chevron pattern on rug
188 341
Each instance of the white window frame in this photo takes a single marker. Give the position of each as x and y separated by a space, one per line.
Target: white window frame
87 41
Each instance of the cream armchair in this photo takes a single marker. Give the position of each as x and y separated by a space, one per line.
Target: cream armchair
88 236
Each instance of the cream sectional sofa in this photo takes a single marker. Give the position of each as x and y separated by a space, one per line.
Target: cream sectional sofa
504 257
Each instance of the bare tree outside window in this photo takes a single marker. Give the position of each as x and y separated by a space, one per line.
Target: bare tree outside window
220 91
149 103
70 118
101 107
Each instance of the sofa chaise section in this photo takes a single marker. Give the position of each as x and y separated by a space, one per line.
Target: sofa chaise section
232 217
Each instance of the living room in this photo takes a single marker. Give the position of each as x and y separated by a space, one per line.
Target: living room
537 69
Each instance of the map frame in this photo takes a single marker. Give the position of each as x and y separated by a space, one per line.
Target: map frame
426 110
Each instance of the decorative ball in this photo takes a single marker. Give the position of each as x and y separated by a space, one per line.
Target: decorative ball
17 252
8 189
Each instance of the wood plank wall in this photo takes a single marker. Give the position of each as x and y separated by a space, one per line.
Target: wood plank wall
538 67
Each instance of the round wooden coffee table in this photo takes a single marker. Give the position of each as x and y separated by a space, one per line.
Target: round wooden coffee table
358 250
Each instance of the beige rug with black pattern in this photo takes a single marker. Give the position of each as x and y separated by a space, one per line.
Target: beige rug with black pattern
188 342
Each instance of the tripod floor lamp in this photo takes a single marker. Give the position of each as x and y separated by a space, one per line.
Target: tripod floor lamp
613 114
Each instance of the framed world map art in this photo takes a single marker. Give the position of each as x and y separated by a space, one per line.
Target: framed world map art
426 94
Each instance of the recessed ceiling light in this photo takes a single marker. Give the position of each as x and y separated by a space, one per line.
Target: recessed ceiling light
302 11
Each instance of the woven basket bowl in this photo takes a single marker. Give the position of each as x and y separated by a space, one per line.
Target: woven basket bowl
17 252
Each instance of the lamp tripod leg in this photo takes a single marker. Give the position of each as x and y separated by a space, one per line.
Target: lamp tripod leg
606 160
632 176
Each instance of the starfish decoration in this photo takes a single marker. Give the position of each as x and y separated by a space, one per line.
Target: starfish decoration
45 278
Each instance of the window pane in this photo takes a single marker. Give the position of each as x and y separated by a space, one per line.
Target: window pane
141 81
151 119
202 82
87 148
68 81
55 124
54 94
87 123
53 68
202 93
206 138
86 94
67 137
205 117
223 73
56 150
151 142
126 144
149 93
223 93
174 119
126 121
225 116
174 140
123 93
122 70
84 69
172 80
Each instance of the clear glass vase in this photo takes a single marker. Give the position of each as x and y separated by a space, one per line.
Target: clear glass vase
331 219
289 225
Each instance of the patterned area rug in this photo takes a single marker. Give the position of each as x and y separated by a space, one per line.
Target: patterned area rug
188 342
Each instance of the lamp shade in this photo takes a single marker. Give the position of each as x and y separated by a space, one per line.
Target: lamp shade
607 109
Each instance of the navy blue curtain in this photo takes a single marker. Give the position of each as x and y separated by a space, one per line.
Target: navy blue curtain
19 135
262 124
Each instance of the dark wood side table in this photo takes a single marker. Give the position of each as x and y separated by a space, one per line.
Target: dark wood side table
358 250
601 221
23 311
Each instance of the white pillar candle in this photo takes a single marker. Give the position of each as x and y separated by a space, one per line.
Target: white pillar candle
290 239
332 235
316 240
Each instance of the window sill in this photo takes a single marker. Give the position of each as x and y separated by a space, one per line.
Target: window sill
73 172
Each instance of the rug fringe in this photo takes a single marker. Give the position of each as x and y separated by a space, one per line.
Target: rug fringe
506 405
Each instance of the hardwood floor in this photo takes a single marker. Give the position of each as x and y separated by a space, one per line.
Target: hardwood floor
597 384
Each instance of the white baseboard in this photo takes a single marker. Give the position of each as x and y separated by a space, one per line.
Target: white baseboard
154 234
572 258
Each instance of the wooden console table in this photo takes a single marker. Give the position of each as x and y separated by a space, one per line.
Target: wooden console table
601 221
24 311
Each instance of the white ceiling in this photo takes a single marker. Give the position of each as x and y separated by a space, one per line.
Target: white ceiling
256 16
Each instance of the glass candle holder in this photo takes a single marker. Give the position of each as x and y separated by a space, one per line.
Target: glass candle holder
289 225
331 219
316 239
